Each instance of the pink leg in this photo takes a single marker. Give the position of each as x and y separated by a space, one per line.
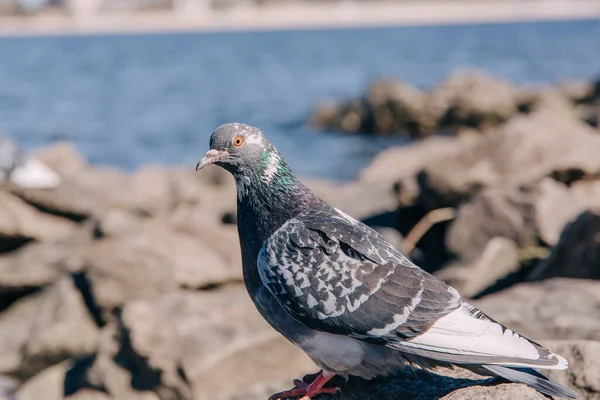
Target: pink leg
308 390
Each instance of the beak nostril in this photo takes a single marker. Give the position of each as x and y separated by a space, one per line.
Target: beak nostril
210 157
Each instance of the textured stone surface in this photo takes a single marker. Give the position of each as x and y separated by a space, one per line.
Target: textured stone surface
557 308
45 328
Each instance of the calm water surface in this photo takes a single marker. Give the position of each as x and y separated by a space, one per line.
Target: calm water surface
132 100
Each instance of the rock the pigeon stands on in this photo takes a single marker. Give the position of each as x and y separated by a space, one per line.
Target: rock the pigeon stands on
339 291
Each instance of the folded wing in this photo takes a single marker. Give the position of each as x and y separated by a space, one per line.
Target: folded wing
335 274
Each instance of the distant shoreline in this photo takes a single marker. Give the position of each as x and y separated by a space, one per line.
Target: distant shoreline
304 16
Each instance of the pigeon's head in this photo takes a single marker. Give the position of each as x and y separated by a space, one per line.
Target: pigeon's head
244 151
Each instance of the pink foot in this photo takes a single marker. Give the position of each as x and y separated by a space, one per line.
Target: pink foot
307 391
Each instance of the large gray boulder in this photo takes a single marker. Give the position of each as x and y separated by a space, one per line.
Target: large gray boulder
38 265
557 204
475 99
192 345
557 308
467 98
492 212
159 257
583 374
44 329
520 153
577 253
20 220
499 258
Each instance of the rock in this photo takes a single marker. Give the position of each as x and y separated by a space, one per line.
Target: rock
63 158
121 269
188 185
584 364
577 91
220 198
19 219
149 191
403 161
119 221
557 308
89 394
519 153
388 182
506 391
397 107
218 352
326 115
47 385
466 98
499 258
109 375
159 258
360 200
38 265
591 115
475 99
153 188
554 208
552 100
492 213
234 368
557 204
577 253
220 238
87 192
44 329
398 166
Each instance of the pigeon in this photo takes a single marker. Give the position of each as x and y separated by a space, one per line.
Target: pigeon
24 172
339 291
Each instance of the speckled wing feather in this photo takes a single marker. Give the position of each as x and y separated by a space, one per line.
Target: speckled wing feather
335 274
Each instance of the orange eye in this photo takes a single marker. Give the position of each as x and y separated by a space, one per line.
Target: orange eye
238 141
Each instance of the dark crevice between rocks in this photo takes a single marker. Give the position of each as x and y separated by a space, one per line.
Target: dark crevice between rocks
568 176
97 232
76 377
515 277
83 284
181 373
73 216
213 285
433 253
143 376
229 218
12 243
386 219
431 198
10 295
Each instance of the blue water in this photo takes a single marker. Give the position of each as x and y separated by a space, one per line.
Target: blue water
132 100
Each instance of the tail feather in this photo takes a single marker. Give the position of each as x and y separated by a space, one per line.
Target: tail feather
468 336
530 377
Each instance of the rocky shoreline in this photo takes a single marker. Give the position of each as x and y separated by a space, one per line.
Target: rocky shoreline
467 99
128 286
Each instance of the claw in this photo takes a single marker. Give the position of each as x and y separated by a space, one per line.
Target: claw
307 391
299 383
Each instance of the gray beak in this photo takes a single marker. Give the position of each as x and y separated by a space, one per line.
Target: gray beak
210 158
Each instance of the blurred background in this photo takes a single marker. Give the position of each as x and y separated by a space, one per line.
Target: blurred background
465 131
